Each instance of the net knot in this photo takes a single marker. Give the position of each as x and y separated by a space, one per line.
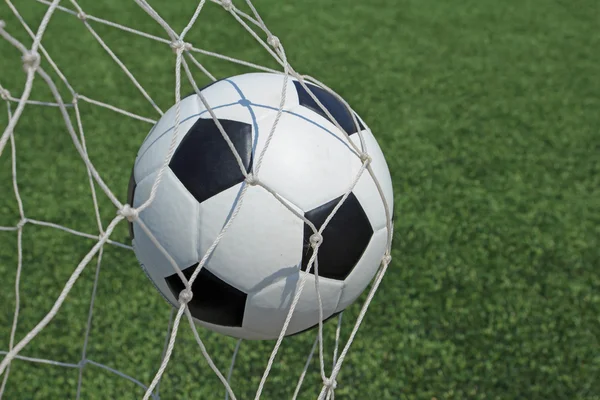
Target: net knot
129 213
387 259
273 41
75 99
22 223
31 60
2 24
185 296
4 94
315 240
180 45
227 4
82 16
330 384
252 180
365 158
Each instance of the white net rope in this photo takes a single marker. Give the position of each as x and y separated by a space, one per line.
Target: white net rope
36 62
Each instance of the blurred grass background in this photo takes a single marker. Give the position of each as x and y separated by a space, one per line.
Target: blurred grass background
488 113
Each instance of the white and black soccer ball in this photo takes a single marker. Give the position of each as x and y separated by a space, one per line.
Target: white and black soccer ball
247 285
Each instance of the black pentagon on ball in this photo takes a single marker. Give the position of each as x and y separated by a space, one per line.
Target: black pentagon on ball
204 162
336 108
213 301
345 237
130 193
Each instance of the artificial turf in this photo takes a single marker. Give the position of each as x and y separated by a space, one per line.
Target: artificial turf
488 115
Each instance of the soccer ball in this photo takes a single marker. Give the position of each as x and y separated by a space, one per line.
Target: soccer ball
249 281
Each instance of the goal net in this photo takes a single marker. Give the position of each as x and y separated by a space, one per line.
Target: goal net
75 303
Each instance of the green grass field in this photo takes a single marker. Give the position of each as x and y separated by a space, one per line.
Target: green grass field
488 113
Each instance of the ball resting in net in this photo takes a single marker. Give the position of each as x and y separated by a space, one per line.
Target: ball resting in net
38 64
